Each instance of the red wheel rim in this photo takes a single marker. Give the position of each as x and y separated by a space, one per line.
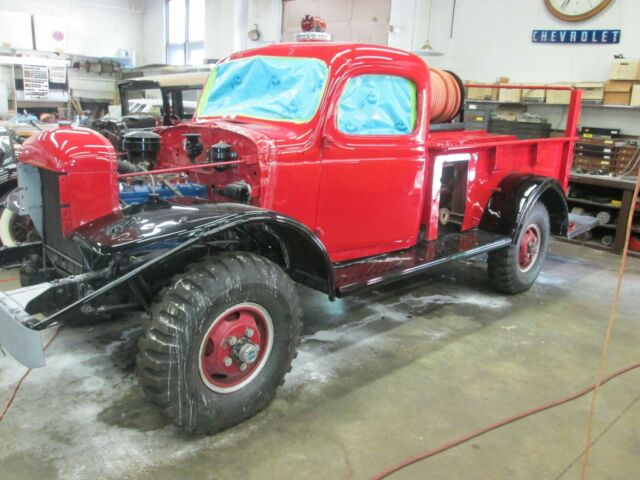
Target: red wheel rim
529 248
236 347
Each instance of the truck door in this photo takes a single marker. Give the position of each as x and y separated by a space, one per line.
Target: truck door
372 164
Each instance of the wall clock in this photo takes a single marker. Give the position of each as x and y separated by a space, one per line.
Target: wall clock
576 10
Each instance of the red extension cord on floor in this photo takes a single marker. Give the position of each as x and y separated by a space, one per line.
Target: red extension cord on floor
465 438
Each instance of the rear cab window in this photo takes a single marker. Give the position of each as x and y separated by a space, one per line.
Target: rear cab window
374 104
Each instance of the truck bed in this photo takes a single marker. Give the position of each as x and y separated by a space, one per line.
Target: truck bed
462 137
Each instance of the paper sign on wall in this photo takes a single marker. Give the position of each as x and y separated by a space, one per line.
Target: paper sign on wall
36 82
58 74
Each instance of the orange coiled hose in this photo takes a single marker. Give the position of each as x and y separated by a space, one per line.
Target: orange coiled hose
445 96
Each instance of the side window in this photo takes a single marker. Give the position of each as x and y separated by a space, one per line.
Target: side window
377 105
189 101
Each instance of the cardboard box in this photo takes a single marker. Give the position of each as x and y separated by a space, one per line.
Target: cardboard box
559 97
635 96
480 93
533 95
592 92
625 69
617 92
510 95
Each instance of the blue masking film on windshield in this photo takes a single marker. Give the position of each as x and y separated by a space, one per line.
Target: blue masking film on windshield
377 105
270 88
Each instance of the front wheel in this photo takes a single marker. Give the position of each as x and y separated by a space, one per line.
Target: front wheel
220 341
514 269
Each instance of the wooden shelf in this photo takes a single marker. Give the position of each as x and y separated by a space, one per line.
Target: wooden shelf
622 183
589 243
542 104
582 201
625 187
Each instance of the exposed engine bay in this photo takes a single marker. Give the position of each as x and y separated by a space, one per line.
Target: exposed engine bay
142 148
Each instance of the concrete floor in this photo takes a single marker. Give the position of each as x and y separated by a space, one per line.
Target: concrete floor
379 377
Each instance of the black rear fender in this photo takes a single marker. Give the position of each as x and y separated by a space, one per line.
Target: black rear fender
516 194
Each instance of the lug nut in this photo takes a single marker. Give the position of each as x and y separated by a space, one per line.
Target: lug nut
249 332
227 361
232 340
243 366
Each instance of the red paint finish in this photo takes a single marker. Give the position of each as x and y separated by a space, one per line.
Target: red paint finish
362 195
86 162
222 364
528 248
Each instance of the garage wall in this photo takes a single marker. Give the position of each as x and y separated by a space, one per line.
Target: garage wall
364 21
153 33
227 23
493 38
89 27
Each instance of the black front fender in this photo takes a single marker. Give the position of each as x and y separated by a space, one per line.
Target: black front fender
516 194
173 227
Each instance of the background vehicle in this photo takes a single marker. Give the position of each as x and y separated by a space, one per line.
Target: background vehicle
9 227
153 101
154 106
335 166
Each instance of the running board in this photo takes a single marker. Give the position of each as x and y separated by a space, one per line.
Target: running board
382 269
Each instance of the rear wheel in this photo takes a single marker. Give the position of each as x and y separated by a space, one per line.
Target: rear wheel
220 341
514 269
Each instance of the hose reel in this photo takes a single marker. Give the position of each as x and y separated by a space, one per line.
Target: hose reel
447 95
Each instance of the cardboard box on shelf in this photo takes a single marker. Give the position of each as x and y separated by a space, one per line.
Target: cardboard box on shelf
481 93
533 95
617 92
496 91
559 97
635 96
625 69
510 95
592 92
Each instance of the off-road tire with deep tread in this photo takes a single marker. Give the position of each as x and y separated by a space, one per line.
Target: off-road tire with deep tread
168 360
504 273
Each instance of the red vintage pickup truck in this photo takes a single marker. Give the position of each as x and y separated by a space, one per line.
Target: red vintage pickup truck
335 166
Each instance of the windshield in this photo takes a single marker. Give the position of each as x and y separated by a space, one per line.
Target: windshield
143 100
286 89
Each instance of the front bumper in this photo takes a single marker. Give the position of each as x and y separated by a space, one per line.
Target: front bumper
20 331
17 335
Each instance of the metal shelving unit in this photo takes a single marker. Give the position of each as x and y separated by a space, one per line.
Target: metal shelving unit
543 104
